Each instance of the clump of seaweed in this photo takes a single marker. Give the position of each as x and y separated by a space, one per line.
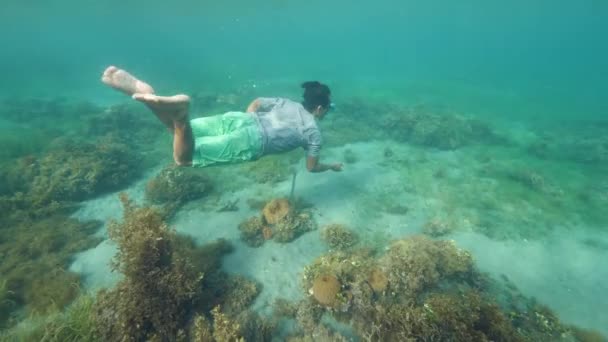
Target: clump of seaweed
418 263
280 220
77 170
35 254
155 296
446 131
74 324
224 329
175 185
338 236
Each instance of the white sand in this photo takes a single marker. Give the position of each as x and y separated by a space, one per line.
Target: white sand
560 271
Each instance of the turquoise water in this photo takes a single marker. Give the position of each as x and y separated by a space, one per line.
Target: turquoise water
410 79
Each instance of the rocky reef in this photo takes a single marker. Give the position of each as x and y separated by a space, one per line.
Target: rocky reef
418 289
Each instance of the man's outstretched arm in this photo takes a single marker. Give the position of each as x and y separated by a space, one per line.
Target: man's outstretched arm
313 165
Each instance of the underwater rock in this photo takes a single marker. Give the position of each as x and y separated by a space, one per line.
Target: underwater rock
388 153
350 157
325 288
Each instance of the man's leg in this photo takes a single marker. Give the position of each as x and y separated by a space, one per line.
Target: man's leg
171 110
129 84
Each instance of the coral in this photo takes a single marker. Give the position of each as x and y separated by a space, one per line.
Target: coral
238 293
293 226
267 233
308 315
156 294
201 330
468 317
206 259
279 220
325 288
276 210
176 185
419 290
284 308
338 236
254 327
441 317
252 231
378 280
224 329
418 263
320 333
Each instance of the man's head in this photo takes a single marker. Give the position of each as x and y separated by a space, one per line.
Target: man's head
316 98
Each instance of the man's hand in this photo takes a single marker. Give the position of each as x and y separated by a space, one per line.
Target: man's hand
337 167
313 165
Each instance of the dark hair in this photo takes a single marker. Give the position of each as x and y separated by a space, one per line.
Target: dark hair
315 94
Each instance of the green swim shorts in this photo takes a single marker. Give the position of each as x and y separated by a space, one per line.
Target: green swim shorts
227 138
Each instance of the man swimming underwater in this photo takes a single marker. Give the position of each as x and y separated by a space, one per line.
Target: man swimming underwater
269 126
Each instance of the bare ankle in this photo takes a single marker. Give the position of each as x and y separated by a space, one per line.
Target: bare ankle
181 161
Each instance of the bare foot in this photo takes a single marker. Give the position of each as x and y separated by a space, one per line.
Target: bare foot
125 82
168 108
